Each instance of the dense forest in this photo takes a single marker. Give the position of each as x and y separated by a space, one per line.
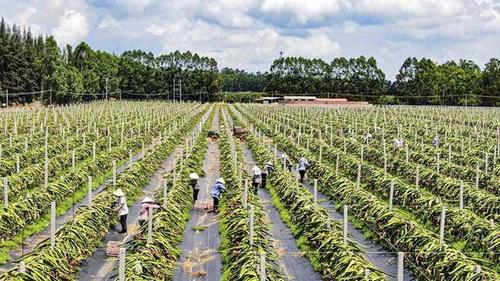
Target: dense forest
67 74
62 74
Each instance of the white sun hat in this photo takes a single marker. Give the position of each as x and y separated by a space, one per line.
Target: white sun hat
119 192
256 170
147 200
194 176
221 180
269 163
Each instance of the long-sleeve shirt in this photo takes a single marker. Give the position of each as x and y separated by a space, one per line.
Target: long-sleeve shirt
122 207
144 210
217 190
303 164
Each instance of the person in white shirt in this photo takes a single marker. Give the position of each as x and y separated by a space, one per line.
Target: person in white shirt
122 209
368 138
399 143
194 185
256 179
436 141
303 164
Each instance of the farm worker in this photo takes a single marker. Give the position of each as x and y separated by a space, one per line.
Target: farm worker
268 169
146 205
195 185
216 193
256 179
287 162
368 137
436 141
122 209
303 164
398 143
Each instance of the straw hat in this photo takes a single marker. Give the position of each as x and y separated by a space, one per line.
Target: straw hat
194 176
147 200
221 180
119 192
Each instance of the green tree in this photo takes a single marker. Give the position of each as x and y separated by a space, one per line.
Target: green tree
491 83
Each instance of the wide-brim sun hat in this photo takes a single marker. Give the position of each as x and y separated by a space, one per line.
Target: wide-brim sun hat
119 192
256 170
221 180
147 200
194 176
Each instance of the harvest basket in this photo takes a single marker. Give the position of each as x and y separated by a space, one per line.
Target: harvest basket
113 248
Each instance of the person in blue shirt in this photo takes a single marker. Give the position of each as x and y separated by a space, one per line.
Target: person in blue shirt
216 193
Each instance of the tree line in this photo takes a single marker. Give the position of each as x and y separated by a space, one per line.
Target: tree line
67 74
64 74
417 82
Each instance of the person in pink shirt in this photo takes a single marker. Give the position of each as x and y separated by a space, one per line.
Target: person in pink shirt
146 205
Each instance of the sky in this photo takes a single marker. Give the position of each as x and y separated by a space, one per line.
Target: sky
249 34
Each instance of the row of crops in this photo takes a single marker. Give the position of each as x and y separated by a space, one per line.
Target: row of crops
434 200
360 174
149 129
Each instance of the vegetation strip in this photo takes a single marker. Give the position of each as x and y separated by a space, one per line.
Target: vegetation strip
157 259
463 228
319 236
76 240
393 227
242 244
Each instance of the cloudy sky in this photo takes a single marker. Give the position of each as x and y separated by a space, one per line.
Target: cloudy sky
249 34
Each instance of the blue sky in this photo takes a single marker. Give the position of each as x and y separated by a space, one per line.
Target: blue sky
249 34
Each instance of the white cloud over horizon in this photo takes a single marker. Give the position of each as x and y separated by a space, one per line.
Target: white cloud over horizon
250 34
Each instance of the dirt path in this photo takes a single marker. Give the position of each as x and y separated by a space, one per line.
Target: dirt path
292 264
99 266
200 258
31 242
381 258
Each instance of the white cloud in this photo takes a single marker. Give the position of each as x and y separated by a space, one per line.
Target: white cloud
250 34
306 10
108 22
72 28
134 5
252 49
349 26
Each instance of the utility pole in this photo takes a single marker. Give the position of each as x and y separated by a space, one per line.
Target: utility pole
106 88
7 98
